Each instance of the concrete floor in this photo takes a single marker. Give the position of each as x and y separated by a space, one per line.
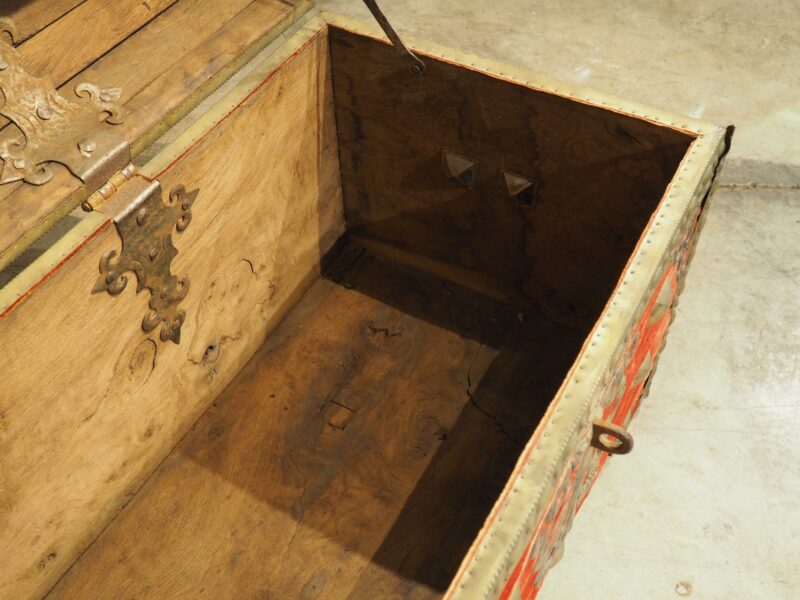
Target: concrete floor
708 504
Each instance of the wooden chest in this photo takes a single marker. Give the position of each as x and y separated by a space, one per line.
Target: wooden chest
335 319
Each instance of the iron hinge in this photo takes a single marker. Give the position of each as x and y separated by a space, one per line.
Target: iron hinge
109 188
145 223
49 127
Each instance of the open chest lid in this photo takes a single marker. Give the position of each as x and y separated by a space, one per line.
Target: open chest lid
88 85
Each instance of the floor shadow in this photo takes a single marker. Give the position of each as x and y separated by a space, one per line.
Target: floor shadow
382 418
505 399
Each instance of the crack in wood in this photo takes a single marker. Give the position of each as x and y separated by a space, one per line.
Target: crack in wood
477 405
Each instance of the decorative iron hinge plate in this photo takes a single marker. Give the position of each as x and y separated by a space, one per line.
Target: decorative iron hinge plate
145 226
52 128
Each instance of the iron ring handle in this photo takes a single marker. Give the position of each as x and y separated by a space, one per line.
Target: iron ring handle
611 438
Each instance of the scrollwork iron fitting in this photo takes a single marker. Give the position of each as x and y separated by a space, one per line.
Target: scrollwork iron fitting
145 227
52 128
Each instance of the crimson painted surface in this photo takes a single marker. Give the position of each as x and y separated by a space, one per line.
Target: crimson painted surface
644 343
646 340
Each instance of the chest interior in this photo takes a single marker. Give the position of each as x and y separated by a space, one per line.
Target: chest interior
469 231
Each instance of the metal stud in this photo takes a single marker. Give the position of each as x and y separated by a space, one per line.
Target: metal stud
459 167
44 112
87 147
520 188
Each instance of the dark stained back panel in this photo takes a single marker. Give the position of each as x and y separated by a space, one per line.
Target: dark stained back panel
599 177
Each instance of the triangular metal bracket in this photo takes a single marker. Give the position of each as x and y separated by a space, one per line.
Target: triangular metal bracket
520 188
459 167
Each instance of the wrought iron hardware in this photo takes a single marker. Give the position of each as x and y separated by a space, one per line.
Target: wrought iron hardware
109 188
52 128
611 438
145 226
460 168
520 188
416 65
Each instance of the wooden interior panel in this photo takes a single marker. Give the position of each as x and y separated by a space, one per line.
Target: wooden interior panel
179 56
89 404
31 16
598 176
355 456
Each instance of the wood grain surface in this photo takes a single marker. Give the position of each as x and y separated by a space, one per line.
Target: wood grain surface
162 69
72 43
598 176
355 456
89 404
31 16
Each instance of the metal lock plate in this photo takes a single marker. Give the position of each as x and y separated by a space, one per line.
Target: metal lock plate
50 127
